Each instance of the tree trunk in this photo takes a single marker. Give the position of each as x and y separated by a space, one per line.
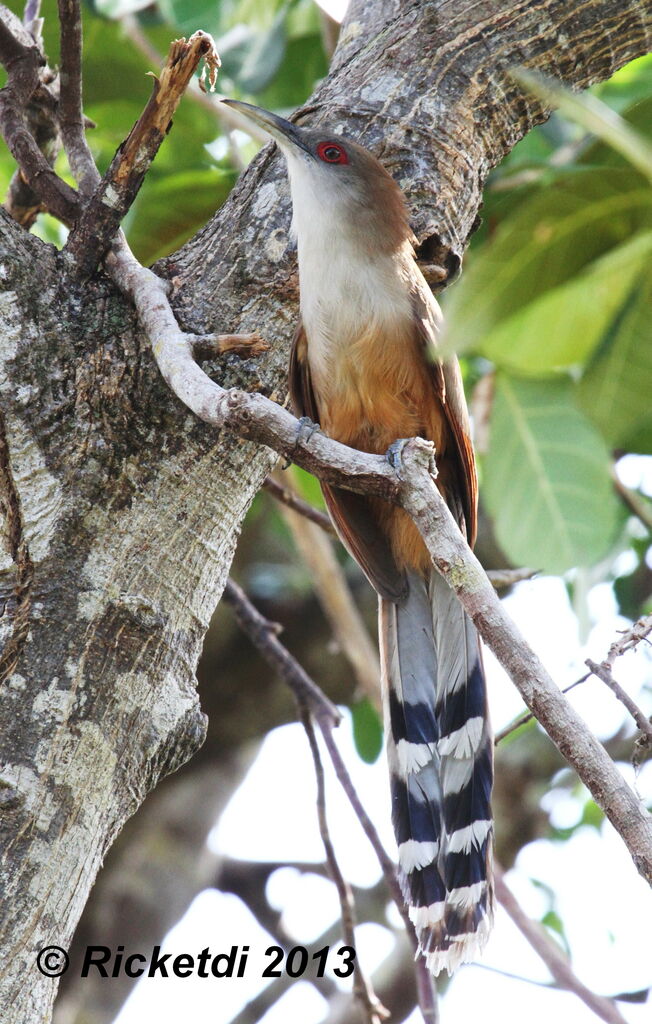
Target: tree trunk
122 512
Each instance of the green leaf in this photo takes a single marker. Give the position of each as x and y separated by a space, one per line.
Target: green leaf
639 116
304 63
553 921
367 730
592 815
628 85
168 211
189 15
563 326
546 477
264 58
594 116
550 238
307 485
615 392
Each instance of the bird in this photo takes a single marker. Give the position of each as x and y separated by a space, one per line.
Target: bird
365 367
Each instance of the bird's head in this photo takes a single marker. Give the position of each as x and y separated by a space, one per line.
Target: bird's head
333 178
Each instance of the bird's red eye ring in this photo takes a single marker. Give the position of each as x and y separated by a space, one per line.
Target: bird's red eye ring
332 153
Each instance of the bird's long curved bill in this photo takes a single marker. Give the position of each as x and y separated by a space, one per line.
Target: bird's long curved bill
282 131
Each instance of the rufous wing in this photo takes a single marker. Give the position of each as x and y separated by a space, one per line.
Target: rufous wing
447 382
350 513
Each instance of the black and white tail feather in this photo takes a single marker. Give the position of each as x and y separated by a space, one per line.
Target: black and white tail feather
440 756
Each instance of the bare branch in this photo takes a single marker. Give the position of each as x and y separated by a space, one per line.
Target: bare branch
500 579
71 115
552 956
228 119
524 719
119 187
630 638
639 631
263 635
288 497
373 1009
22 64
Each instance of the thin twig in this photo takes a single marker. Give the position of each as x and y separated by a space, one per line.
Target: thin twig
629 639
500 579
553 957
119 187
426 990
636 503
373 1009
603 672
263 635
639 631
368 828
288 497
71 115
524 719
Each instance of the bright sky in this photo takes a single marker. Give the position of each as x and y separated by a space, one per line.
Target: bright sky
336 8
603 902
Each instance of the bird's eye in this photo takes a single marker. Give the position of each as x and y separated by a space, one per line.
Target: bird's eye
332 153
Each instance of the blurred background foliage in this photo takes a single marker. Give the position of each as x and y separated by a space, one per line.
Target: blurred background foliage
551 319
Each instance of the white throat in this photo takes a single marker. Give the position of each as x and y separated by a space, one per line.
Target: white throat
347 289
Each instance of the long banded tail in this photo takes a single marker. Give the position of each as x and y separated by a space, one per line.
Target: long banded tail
441 768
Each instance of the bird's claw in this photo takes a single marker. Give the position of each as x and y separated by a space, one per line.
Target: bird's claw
394 454
305 430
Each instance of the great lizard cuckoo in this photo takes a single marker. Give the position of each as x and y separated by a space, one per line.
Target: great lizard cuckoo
364 365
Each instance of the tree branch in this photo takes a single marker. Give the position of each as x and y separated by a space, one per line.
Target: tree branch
71 114
262 633
22 64
286 496
552 956
373 1009
117 190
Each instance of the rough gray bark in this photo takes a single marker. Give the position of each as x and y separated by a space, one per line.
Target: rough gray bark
122 512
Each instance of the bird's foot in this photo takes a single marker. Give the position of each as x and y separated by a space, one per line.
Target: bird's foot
305 430
394 454
419 449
